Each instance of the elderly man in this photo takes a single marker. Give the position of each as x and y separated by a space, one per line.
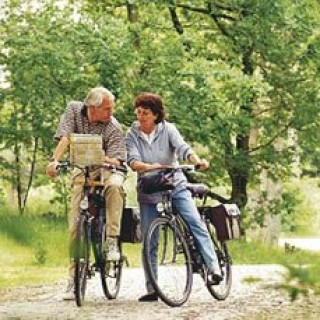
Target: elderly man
93 116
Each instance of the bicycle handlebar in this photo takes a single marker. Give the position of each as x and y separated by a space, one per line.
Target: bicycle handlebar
198 189
168 168
65 165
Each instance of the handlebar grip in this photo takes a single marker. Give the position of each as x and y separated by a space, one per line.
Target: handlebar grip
123 169
63 166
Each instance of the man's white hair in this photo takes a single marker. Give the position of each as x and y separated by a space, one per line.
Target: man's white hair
96 95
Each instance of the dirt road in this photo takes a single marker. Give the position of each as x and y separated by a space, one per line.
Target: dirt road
247 301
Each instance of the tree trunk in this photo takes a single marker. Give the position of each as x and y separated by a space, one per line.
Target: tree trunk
32 168
17 178
133 16
240 176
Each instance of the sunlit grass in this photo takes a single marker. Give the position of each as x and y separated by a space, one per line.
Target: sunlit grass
251 280
34 250
18 266
133 254
30 275
259 253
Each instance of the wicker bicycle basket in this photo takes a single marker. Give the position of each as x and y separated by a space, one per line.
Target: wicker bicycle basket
86 149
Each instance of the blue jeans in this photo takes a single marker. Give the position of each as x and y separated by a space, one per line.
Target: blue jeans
184 203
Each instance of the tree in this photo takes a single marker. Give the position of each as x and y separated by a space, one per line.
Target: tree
226 69
45 58
246 65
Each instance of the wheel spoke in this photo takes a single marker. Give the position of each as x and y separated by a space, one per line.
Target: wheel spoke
81 261
168 262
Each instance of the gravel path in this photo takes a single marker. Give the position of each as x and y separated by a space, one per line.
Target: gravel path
255 301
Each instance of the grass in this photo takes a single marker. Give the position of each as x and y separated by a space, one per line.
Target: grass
34 250
258 253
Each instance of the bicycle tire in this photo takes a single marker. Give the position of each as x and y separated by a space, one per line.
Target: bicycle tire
221 291
171 274
82 252
110 271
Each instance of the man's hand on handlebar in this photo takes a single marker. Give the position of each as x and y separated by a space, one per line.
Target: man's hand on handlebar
113 161
52 169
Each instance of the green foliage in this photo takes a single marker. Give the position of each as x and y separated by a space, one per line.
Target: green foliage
302 280
225 71
62 195
302 208
285 206
302 267
2 197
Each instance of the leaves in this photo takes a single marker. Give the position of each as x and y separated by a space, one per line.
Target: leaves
236 79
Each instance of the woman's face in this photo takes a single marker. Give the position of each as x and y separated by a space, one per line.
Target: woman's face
147 119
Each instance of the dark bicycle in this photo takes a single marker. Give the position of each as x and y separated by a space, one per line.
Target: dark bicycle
177 254
91 233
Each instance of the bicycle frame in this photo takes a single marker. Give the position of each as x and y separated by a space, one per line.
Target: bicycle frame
91 233
179 256
176 220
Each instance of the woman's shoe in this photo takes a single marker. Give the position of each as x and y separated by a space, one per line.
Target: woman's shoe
151 296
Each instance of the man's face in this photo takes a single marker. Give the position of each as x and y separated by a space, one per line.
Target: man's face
102 113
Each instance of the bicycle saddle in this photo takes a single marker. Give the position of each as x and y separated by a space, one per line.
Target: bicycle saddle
198 189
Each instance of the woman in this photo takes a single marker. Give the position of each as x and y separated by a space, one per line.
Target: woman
152 141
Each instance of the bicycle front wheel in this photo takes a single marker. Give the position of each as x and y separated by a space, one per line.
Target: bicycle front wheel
221 291
167 262
82 252
110 272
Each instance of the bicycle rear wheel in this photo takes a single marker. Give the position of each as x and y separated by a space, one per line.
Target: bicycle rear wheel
221 291
110 272
168 263
82 252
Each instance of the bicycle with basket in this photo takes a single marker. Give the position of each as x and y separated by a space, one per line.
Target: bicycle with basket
91 234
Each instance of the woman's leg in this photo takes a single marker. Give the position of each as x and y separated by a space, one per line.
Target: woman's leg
148 213
184 203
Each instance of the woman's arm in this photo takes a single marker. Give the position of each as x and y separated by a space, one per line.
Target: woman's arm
140 166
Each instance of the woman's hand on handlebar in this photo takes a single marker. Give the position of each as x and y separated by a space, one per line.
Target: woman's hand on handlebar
203 164
200 164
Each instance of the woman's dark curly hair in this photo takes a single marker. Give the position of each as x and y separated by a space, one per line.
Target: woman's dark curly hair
152 101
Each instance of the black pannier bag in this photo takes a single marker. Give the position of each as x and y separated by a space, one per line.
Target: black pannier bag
157 181
130 226
226 220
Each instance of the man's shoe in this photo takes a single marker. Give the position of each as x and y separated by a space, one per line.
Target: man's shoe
69 293
152 296
113 253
